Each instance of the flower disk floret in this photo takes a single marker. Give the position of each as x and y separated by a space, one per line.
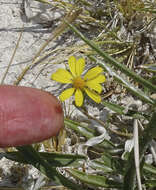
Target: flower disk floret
90 83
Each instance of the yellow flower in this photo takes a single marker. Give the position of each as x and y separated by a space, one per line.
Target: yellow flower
89 83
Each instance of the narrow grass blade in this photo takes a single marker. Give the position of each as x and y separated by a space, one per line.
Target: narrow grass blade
149 168
137 92
37 161
12 57
62 160
121 110
54 159
80 124
70 17
75 126
150 183
114 107
114 63
149 67
95 180
86 132
108 164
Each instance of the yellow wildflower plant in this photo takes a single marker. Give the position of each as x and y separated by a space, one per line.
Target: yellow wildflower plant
90 83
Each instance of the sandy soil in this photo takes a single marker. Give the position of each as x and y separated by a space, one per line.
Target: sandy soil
13 20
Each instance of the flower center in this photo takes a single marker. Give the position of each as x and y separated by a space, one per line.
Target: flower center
79 83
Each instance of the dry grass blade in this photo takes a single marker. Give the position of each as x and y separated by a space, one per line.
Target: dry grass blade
136 154
13 55
70 17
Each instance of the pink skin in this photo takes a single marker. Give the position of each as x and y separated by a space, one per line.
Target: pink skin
28 115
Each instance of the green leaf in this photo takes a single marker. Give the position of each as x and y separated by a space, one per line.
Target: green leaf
149 67
99 165
121 110
80 124
75 126
107 163
29 153
114 107
95 180
151 129
149 168
15 156
86 132
150 183
54 159
115 63
124 82
62 160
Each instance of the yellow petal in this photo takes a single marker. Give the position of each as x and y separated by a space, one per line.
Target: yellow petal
62 76
92 73
80 64
92 84
78 97
100 79
72 65
66 94
93 95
